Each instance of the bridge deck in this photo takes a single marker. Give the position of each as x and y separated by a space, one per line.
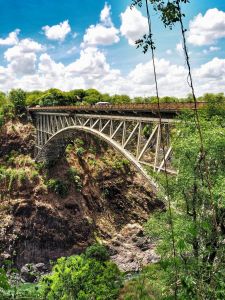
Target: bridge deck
170 108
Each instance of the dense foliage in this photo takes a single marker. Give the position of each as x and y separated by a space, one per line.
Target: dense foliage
191 233
198 208
6 108
17 100
84 277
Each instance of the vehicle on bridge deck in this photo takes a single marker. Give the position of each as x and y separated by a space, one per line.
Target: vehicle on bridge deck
102 103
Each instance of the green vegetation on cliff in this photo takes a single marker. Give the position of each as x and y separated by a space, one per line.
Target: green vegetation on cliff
82 277
190 234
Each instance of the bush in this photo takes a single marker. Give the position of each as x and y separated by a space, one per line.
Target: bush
1 118
149 284
13 177
97 252
75 178
58 187
4 283
121 164
80 151
215 104
82 278
147 130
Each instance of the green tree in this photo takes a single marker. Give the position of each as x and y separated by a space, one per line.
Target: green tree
32 98
53 97
75 96
106 98
139 100
92 96
84 277
168 99
18 99
121 99
2 99
215 104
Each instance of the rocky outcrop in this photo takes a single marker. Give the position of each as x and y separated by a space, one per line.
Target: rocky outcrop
17 136
130 249
32 272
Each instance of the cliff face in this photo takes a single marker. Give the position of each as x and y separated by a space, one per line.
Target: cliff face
58 210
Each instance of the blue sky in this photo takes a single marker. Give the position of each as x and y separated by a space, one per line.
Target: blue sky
81 44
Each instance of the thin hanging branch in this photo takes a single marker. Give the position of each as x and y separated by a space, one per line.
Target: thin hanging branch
147 42
172 13
198 125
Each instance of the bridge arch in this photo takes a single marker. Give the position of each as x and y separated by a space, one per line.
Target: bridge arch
56 144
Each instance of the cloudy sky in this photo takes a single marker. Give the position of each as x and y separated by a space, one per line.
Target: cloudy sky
69 44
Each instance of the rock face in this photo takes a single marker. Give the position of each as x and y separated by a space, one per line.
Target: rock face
32 272
17 136
130 249
101 195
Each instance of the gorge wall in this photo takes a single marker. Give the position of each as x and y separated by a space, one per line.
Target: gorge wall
49 211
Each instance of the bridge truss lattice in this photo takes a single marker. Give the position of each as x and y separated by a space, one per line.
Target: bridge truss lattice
139 139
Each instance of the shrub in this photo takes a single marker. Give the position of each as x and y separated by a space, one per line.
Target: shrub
147 130
82 278
58 187
1 118
4 283
13 176
121 164
75 178
215 104
149 284
80 151
98 252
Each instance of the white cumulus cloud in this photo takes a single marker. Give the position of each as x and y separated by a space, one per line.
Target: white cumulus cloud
22 57
92 63
133 25
11 40
169 76
57 32
213 69
179 48
28 67
207 29
103 33
211 49
105 15
100 35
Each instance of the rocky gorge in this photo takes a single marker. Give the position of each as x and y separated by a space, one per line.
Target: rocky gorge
59 209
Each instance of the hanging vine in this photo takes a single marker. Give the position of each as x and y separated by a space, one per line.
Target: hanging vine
171 13
147 43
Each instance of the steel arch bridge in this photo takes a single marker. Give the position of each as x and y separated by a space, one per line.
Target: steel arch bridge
136 131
